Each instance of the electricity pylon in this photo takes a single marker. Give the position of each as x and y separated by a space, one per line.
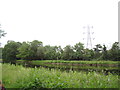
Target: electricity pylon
89 37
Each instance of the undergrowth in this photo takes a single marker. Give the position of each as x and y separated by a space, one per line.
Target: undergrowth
34 78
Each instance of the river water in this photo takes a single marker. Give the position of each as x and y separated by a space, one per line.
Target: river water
105 71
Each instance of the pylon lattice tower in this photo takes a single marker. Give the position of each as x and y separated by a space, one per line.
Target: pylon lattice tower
89 37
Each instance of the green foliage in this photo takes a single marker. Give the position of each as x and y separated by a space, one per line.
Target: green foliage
35 78
68 53
30 50
57 52
97 51
33 48
36 51
10 51
88 54
24 51
50 52
75 62
114 52
104 53
1 53
79 50
40 52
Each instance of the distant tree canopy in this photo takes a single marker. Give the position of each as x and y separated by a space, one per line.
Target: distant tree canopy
1 53
10 51
36 51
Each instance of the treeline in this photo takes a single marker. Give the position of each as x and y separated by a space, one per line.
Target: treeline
35 50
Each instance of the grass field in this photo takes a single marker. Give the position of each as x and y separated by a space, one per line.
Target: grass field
78 62
73 61
21 77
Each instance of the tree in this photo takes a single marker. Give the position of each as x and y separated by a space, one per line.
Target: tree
30 50
98 48
68 53
33 48
50 52
58 52
1 53
79 49
24 51
104 55
97 51
88 54
10 51
41 52
114 52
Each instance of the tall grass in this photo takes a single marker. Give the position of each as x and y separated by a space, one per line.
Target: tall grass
77 62
21 77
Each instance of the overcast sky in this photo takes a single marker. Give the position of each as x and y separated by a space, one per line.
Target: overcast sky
59 22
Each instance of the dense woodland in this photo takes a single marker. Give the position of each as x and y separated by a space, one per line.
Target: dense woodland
35 50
